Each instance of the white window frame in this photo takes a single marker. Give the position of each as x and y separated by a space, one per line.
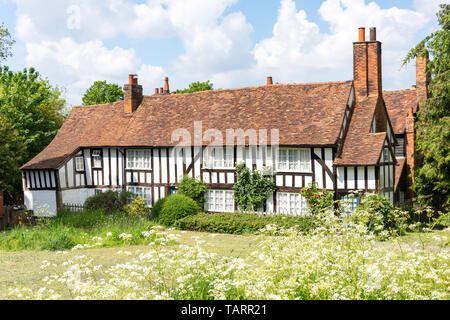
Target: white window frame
219 201
143 192
96 159
79 166
301 165
218 158
285 201
139 159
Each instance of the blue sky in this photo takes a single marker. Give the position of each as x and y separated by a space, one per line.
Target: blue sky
233 43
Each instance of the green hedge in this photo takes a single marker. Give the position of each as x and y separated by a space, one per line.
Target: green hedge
176 207
240 223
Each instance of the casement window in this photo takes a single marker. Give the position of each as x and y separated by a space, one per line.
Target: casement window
97 159
138 159
218 158
219 201
291 204
144 193
298 160
79 164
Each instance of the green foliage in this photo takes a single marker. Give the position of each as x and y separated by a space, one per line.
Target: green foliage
102 92
194 189
379 215
252 188
33 108
432 175
197 86
85 230
6 42
319 201
157 207
242 223
175 207
109 201
138 208
12 151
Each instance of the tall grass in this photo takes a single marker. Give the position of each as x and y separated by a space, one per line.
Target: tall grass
90 228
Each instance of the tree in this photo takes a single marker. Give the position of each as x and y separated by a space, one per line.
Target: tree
432 175
31 107
252 188
12 150
102 92
197 86
6 43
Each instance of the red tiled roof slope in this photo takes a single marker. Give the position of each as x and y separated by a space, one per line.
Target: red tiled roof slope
398 104
362 147
304 114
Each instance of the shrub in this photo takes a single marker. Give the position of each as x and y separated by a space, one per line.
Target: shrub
138 208
157 207
175 207
378 214
318 201
110 201
242 223
194 189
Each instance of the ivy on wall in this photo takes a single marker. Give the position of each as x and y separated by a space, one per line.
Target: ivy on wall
252 188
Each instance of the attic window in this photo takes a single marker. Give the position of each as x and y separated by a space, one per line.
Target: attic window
97 159
79 164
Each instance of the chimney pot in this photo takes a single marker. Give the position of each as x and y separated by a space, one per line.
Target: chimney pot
373 34
156 91
130 79
166 85
161 90
269 81
362 34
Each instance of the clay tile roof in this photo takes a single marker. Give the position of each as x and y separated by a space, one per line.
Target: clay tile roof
398 104
304 114
362 147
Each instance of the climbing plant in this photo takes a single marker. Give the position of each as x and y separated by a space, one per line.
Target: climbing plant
252 188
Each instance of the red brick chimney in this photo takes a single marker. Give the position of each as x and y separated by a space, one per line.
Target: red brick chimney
367 65
132 94
269 81
166 85
423 78
410 149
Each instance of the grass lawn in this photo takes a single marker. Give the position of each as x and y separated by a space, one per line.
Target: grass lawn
23 268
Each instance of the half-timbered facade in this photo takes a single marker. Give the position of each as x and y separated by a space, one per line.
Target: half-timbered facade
335 134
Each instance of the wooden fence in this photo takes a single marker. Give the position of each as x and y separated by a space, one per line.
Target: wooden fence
12 216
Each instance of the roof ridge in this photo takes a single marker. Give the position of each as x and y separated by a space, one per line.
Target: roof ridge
253 87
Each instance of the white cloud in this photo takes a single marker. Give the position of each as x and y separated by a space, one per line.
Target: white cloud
216 41
299 51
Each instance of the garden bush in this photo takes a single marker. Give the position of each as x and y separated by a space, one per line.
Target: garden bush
110 201
378 214
319 201
138 208
175 207
157 207
242 223
194 189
